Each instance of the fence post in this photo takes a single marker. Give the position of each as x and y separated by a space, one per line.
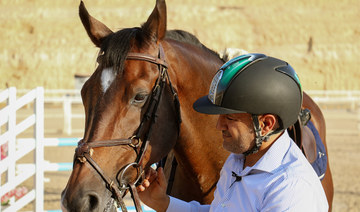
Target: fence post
39 149
11 129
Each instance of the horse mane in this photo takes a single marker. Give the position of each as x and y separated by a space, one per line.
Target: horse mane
187 37
116 46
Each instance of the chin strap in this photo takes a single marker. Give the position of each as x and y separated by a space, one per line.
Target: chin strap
258 137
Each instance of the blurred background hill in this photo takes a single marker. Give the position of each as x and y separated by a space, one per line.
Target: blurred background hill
43 42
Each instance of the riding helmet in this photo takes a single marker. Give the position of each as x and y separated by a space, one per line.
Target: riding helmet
255 84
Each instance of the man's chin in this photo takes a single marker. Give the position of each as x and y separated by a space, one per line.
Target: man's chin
229 147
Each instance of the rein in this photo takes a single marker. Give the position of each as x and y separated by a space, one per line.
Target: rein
138 142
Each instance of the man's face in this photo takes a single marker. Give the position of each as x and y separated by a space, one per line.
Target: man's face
237 131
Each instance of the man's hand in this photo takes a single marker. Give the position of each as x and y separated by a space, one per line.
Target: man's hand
152 191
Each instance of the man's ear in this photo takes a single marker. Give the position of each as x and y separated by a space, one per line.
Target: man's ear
268 123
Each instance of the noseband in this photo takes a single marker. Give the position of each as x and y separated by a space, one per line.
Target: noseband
138 142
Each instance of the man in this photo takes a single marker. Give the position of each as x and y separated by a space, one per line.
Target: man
257 98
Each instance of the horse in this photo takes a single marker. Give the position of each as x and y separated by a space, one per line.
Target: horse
138 106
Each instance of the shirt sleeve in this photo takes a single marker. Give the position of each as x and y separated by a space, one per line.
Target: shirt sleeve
177 205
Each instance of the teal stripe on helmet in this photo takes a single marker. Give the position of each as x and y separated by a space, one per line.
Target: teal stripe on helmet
229 70
232 67
298 80
232 70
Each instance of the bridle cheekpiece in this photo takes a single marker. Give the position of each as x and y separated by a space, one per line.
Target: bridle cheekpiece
138 142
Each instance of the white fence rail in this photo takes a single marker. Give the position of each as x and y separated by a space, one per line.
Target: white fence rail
48 142
9 162
351 98
348 99
16 173
67 98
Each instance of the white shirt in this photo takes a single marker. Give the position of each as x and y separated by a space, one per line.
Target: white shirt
282 180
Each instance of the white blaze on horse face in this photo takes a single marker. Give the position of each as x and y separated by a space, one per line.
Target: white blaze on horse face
107 77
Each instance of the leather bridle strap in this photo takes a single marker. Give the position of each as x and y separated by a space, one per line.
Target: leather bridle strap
151 113
84 150
135 197
160 60
148 58
111 185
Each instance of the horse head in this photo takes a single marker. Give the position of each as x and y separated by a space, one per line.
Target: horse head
132 113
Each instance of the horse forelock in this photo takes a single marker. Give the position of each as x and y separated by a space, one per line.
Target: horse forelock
117 45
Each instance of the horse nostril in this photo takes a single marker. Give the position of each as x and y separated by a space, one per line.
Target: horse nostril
93 202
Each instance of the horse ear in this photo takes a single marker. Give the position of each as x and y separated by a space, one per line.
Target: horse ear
156 23
96 30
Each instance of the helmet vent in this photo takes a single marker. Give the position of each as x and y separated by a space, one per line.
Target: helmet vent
214 85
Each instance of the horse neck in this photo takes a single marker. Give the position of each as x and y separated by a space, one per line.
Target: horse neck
199 147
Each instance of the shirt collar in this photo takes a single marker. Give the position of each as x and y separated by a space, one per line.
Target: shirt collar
272 159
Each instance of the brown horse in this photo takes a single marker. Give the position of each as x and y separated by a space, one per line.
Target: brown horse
133 115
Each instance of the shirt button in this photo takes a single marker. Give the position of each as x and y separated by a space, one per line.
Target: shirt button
223 205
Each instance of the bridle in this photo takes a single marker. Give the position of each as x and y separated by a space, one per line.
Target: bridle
139 141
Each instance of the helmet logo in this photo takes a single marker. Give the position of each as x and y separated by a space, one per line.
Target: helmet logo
214 86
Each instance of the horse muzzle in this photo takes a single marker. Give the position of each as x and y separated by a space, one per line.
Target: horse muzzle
90 201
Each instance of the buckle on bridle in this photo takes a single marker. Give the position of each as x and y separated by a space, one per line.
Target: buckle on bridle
82 149
135 144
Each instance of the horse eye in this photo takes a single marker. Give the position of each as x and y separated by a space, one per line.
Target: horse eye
140 98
